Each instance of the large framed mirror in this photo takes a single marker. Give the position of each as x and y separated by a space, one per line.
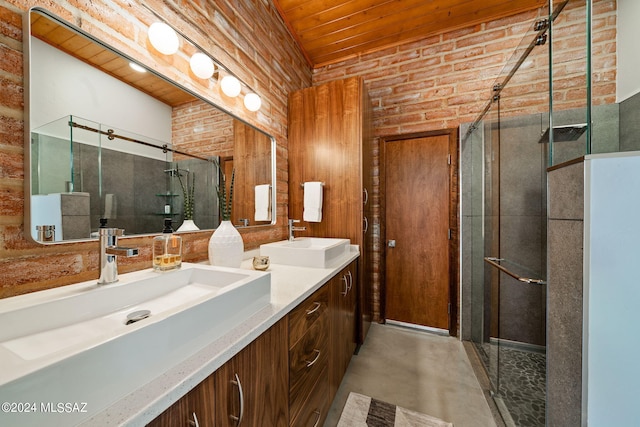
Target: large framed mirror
105 142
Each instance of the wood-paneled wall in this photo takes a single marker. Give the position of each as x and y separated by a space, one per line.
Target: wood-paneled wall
325 132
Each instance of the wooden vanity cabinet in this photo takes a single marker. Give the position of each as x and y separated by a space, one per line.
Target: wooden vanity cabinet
309 353
330 140
254 384
343 303
289 375
198 405
252 387
322 339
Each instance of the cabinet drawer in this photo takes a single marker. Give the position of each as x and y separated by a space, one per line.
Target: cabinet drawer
304 315
307 361
313 411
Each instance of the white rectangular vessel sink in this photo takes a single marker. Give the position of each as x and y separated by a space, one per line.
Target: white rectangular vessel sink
95 344
316 252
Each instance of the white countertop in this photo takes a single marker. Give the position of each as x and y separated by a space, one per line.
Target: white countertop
289 287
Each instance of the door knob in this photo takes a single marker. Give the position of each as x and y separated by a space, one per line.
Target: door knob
391 243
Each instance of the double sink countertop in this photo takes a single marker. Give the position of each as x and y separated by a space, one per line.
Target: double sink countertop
290 285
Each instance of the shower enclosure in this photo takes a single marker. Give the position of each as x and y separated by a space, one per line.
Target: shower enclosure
509 259
82 171
555 108
505 156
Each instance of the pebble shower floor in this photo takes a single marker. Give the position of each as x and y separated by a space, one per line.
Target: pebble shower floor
522 383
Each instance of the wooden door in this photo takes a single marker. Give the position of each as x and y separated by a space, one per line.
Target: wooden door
261 371
417 215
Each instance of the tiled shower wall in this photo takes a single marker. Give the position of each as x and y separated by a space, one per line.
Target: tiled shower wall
517 222
564 347
630 124
522 228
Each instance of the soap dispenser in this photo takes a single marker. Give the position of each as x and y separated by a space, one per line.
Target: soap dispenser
167 249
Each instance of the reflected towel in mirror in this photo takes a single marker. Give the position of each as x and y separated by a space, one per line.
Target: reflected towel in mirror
263 202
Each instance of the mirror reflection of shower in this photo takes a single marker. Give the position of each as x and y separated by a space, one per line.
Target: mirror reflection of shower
83 171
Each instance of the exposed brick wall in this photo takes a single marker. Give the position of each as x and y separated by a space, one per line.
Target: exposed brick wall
247 36
205 130
569 77
445 80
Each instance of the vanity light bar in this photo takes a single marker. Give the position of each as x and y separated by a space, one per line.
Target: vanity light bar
203 64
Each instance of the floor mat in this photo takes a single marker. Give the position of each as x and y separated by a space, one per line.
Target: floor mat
364 411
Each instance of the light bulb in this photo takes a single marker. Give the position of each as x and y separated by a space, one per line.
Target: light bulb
230 86
201 65
252 102
163 38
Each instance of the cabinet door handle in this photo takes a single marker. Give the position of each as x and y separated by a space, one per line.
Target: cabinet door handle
366 224
317 419
310 364
350 279
366 196
314 309
346 285
194 422
238 419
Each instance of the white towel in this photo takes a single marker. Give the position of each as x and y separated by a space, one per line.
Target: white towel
110 206
263 202
312 202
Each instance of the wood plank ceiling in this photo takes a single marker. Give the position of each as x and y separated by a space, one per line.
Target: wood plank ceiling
330 31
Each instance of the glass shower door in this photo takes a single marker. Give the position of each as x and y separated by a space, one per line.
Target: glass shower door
510 159
515 248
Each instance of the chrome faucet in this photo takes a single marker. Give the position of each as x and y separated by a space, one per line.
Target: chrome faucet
109 251
292 229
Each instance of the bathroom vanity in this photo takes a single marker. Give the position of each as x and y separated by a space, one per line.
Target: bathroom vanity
289 375
219 345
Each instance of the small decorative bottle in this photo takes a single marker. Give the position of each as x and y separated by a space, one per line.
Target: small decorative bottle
167 249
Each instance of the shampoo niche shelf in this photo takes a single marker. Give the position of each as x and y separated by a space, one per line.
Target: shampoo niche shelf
168 197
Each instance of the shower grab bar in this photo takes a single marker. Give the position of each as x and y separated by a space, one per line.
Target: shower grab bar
495 262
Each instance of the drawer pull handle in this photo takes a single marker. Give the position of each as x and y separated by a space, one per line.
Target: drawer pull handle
238 419
317 419
316 308
346 286
194 422
310 364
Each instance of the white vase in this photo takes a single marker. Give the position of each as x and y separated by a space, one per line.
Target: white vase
188 225
226 246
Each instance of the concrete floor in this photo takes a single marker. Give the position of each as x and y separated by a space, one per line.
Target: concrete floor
417 370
